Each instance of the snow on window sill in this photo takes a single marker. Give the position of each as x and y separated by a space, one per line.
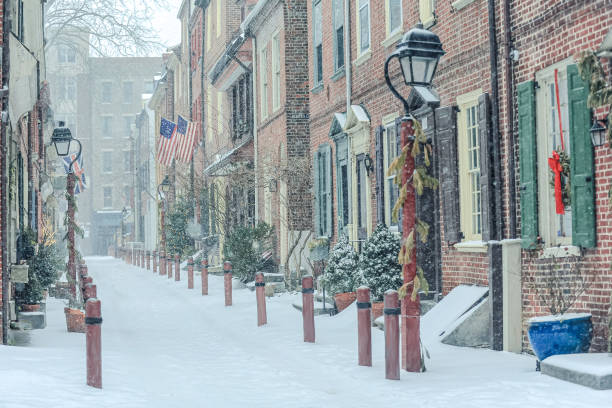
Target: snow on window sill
392 38
363 58
561 251
471 246
460 4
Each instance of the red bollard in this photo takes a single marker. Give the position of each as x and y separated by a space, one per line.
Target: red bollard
204 276
260 289
227 282
162 263
169 265
177 266
154 261
364 326
392 311
148 257
190 273
308 309
137 254
93 322
86 280
90 292
142 258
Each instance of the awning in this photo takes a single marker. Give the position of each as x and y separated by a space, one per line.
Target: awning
224 159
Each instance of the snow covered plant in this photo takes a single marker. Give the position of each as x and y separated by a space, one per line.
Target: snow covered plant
559 284
342 271
378 262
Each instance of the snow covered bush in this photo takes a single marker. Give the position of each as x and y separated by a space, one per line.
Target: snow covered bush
342 271
178 240
45 261
250 250
378 262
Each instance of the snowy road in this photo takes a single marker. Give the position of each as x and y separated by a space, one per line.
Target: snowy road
167 346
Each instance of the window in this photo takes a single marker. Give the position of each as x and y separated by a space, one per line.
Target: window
107 161
66 54
391 149
127 161
276 72
241 107
264 83
107 127
338 10
394 16
323 197
106 92
317 43
149 87
426 12
554 228
108 197
70 90
343 180
363 20
469 166
127 125
128 92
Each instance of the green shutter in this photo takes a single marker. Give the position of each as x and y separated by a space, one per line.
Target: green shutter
317 195
328 190
582 178
528 164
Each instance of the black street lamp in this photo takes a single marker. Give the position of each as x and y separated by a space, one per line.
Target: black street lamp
418 54
61 139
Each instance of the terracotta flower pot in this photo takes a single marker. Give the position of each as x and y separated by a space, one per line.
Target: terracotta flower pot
30 308
377 310
343 300
75 320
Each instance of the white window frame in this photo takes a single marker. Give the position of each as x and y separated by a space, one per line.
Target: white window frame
335 26
104 197
426 12
276 72
549 221
263 69
388 157
359 6
315 44
468 104
391 32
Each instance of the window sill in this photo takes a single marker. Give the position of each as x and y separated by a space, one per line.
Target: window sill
317 89
338 74
430 23
461 4
562 251
471 246
393 38
363 58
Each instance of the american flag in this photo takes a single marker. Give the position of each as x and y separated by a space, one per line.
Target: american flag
167 142
77 169
187 136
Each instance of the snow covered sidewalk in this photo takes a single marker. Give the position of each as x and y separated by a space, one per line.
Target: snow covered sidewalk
166 346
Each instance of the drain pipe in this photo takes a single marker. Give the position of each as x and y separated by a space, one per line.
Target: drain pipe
347 54
510 115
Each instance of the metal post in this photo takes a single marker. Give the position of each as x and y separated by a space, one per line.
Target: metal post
308 309
410 316
392 310
364 326
260 288
227 282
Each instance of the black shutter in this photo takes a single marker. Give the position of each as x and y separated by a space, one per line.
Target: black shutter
380 176
486 168
446 135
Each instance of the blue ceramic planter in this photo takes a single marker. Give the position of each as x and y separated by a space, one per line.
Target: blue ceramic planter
568 336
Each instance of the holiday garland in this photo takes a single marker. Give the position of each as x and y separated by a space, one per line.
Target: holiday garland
420 179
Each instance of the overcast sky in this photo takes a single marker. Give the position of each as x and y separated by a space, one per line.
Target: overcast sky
168 25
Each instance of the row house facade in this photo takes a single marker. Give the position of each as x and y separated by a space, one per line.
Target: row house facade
493 130
26 199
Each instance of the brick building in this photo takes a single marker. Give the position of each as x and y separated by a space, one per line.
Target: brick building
493 132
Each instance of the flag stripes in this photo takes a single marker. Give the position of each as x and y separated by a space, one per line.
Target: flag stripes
167 142
186 131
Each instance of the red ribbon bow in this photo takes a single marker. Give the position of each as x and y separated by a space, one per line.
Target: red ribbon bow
555 165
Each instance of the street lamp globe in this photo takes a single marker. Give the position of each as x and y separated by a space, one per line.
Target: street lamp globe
419 53
598 133
61 139
164 186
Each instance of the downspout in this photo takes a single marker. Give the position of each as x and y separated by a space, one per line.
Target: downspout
254 112
495 123
6 27
347 53
510 115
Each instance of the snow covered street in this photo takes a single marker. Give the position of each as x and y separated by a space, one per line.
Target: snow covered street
167 346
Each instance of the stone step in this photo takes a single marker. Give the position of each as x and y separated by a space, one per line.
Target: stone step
277 287
318 306
426 306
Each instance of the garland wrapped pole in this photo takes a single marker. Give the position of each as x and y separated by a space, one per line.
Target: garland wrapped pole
410 306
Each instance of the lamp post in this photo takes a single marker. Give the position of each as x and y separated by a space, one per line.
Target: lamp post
162 190
418 54
62 139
